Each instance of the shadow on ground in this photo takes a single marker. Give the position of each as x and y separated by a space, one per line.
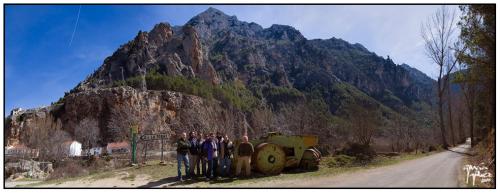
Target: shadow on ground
172 181
159 182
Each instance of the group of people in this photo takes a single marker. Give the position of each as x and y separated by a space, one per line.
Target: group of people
213 154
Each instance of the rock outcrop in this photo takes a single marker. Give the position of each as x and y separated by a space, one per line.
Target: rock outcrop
161 51
24 121
27 169
179 111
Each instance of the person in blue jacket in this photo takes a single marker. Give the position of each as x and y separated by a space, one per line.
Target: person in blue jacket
210 152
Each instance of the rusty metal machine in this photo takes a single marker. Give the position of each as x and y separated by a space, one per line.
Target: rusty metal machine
274 152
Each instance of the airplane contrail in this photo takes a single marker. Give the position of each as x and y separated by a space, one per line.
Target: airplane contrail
76 25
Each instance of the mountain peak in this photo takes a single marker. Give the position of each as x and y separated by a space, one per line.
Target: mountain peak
210 21
209 16
213 10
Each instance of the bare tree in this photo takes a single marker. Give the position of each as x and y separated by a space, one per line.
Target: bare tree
459 116
55 145
449 103
310 117
438 34
467 82
262 120
364 124
398 134
121 119
49 142
87 131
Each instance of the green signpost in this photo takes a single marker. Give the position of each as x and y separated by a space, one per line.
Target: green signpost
134 130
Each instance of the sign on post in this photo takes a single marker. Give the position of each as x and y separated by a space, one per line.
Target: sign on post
134 129
153 137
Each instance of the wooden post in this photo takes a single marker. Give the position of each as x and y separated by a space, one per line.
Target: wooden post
162 162
145 152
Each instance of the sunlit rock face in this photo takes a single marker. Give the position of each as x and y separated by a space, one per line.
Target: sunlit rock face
170 112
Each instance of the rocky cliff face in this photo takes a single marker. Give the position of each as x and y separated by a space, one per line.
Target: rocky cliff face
24 121
218 48
179 111
159 50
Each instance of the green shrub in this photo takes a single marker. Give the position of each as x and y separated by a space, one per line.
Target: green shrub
283 94
237 95
119 83
362 153
232 93
340 161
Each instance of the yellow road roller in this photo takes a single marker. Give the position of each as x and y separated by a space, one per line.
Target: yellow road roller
275 151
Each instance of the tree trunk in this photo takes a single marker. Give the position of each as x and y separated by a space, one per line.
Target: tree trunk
440 111
471 122
460 127
450 117
471 102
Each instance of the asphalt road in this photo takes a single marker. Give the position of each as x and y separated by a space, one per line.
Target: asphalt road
438 170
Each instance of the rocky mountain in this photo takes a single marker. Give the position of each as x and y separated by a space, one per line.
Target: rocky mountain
238 61
219 48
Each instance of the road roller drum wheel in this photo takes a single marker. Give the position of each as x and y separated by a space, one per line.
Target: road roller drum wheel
269 158
310 159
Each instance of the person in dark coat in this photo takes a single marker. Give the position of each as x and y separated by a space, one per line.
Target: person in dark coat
218 157
182 155
227 156
199 164
193 154
203 154
245 151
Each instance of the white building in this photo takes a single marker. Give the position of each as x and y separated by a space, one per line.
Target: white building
72 148
96 151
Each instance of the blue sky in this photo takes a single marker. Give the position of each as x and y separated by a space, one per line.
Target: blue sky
41 64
